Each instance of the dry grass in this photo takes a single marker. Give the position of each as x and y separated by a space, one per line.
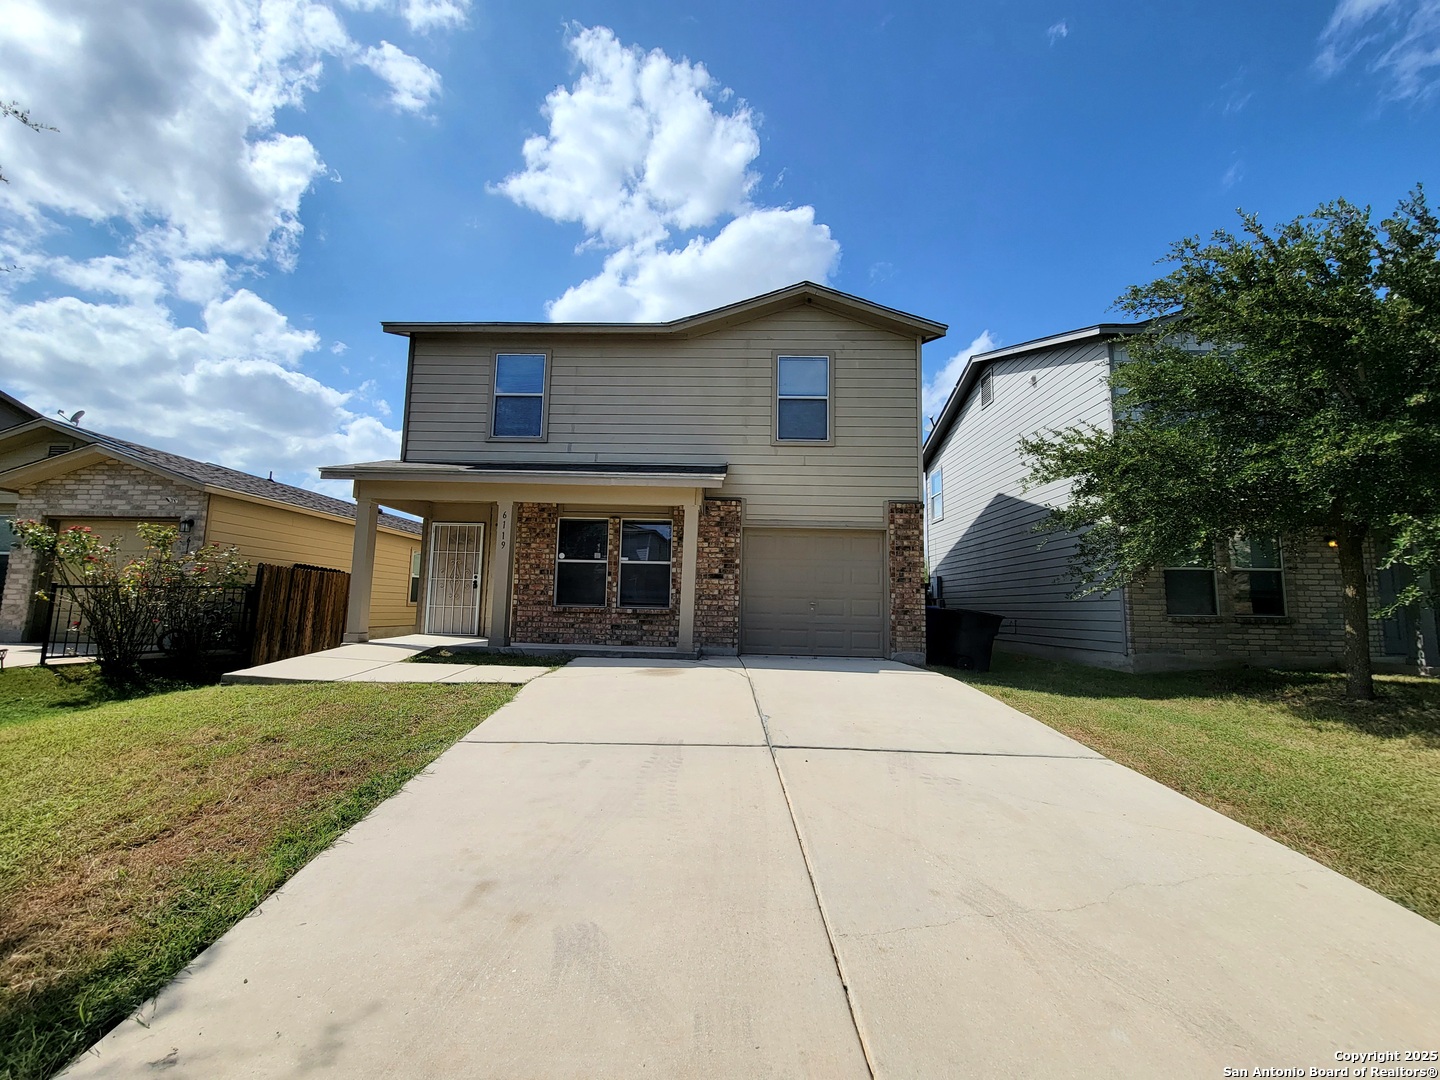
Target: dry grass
134 832
1354 785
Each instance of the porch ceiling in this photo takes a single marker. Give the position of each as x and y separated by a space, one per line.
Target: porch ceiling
412 487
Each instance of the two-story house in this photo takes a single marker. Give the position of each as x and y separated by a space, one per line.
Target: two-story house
745 479
1271 601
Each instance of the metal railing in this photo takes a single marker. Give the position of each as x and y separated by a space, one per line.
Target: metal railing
215 620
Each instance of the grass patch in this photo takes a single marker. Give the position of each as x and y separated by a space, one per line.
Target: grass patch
443 655
1354 785
136 831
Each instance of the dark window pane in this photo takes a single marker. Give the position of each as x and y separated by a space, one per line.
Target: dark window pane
584 539
804 376
1259 592
580 583
1190 592
517 417
645 541
801 419
1261 553
519 374
644 585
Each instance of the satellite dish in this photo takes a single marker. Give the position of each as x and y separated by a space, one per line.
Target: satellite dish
75 419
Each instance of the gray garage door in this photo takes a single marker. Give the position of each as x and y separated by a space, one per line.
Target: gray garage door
813 592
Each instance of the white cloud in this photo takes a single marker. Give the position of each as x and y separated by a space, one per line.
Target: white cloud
421 16
1233 175
169 142
1058 31
937 389
412 85
228 389
638 149
757 252
1399 39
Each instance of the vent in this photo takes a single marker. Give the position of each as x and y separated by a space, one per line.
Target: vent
987 389
58 448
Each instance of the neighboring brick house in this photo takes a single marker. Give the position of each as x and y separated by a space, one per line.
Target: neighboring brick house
67 475
1272 601
742 480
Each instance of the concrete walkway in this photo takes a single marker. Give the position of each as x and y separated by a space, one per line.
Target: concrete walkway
20 656
790 868
384 660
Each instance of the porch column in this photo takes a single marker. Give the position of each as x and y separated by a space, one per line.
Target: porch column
690 545
362 570
501 570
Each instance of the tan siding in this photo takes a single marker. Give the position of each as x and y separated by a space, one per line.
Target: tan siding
272 535
32 447
390 607
706 399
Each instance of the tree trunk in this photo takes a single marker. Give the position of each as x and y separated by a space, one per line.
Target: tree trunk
1356 608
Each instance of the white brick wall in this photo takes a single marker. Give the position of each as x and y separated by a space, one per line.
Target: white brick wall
108 489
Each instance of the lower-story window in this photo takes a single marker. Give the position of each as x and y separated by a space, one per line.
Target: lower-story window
414 577
1190 587
645 563
1259 575
582 555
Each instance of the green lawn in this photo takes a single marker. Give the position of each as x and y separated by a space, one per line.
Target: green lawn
484 657
1354 785
135 831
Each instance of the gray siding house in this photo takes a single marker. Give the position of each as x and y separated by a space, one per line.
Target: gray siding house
745 479
1272 601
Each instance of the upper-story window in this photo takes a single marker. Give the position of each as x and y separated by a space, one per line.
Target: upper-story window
802 398
519 408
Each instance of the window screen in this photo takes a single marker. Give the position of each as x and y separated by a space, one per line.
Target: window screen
519 396
802 406
581 557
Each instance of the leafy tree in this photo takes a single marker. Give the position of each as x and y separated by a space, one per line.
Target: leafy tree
1288 382
13 109
167 599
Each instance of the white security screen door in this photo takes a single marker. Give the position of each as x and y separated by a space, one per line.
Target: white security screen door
452 604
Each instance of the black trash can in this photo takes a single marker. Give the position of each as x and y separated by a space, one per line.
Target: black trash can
960 637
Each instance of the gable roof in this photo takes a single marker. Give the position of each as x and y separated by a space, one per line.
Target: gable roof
20 406
971 375
202 473
802 292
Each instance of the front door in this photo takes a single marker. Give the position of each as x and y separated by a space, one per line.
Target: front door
452 603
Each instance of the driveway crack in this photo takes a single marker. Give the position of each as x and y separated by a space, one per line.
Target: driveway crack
810 873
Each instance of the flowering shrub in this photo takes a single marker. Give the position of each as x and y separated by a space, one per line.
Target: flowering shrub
165 597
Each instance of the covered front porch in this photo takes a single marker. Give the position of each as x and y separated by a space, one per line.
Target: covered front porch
590 556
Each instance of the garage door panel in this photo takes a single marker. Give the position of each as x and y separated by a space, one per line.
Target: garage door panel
813 592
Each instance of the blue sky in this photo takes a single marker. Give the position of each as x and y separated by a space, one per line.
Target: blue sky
239 191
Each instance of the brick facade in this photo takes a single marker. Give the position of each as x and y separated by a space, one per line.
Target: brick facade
534 618
1310 634
717 577
905 534
107 489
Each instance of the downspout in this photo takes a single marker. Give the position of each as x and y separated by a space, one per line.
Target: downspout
1127 633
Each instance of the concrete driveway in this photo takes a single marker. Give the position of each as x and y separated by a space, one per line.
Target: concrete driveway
790 868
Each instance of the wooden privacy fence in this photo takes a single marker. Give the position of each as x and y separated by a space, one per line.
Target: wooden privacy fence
299 609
